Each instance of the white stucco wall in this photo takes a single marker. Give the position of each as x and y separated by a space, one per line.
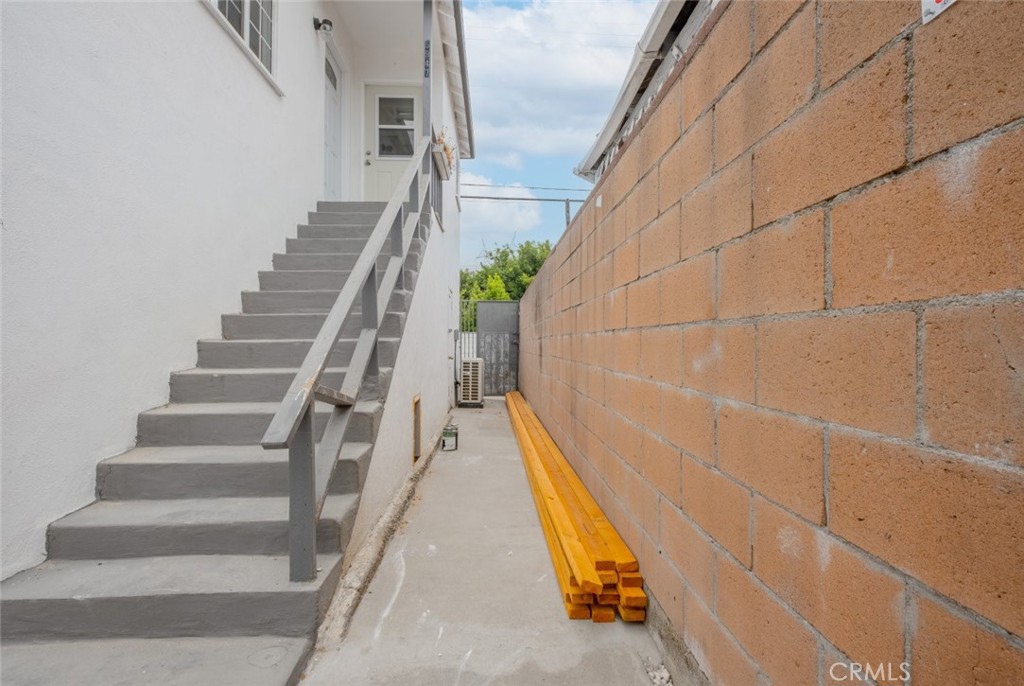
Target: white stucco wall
149 171
425 364
418 371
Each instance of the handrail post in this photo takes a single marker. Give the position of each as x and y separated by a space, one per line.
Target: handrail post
397 229
371 318
414 191
302 500
423 225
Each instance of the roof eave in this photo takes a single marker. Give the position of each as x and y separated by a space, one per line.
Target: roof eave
644 56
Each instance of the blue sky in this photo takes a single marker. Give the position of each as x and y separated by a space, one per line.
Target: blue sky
543 76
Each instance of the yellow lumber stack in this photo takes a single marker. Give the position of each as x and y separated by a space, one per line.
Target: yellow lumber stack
596 572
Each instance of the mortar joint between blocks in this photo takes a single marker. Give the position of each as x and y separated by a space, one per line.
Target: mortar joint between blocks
920 400
816 88
829 284
908 94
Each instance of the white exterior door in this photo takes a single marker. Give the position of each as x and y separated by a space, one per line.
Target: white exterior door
392 129
332 131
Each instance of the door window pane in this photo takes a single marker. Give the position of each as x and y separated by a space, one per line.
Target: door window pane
395 143
396 112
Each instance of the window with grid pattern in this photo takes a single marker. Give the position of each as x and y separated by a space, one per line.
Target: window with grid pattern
254 22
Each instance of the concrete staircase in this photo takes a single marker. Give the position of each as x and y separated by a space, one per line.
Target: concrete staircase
178 573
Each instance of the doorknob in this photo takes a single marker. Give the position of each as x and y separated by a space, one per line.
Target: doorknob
367 162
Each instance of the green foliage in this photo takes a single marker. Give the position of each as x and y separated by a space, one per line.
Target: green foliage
495 289
505 272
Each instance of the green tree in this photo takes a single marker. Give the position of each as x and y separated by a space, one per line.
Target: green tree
515 267
495 289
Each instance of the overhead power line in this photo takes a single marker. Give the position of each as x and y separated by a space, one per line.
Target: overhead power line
561 33
532 188
564 201
539 42
500 197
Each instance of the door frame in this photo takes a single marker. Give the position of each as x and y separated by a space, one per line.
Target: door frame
366 145
345 95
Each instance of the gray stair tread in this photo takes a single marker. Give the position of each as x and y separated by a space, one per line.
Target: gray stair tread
219 454
309 272
298 294
243 371
160 576
188 661
154 513
327 254
364 406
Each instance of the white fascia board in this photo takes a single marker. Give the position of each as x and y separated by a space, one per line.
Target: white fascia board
452 34
644 55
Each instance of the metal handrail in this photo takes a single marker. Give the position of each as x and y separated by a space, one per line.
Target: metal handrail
310 468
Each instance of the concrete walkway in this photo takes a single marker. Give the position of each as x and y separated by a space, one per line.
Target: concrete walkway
465 593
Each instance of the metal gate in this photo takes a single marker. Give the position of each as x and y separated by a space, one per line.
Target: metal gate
497 342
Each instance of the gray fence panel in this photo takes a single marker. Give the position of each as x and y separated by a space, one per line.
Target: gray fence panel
497 326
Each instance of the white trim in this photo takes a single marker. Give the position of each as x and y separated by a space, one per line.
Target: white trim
393 82
240 42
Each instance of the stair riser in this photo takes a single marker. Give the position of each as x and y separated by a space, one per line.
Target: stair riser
282 354
362 231
310 280
174 481
238 388
342 218
231 538
289 326
233 429
338 244
292 613
285 262
351 206
292 302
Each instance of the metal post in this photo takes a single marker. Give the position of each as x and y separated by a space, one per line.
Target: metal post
568 213
428 159
302 500
371 320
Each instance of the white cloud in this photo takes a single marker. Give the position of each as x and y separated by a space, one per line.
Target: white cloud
544 74
486 222
509 160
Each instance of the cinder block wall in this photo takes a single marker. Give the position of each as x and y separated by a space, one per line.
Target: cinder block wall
783 343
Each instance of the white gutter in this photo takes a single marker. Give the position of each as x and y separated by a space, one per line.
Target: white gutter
644 55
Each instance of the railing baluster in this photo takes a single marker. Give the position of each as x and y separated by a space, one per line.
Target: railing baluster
423 226
396 247
370 318
414 193
302 500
